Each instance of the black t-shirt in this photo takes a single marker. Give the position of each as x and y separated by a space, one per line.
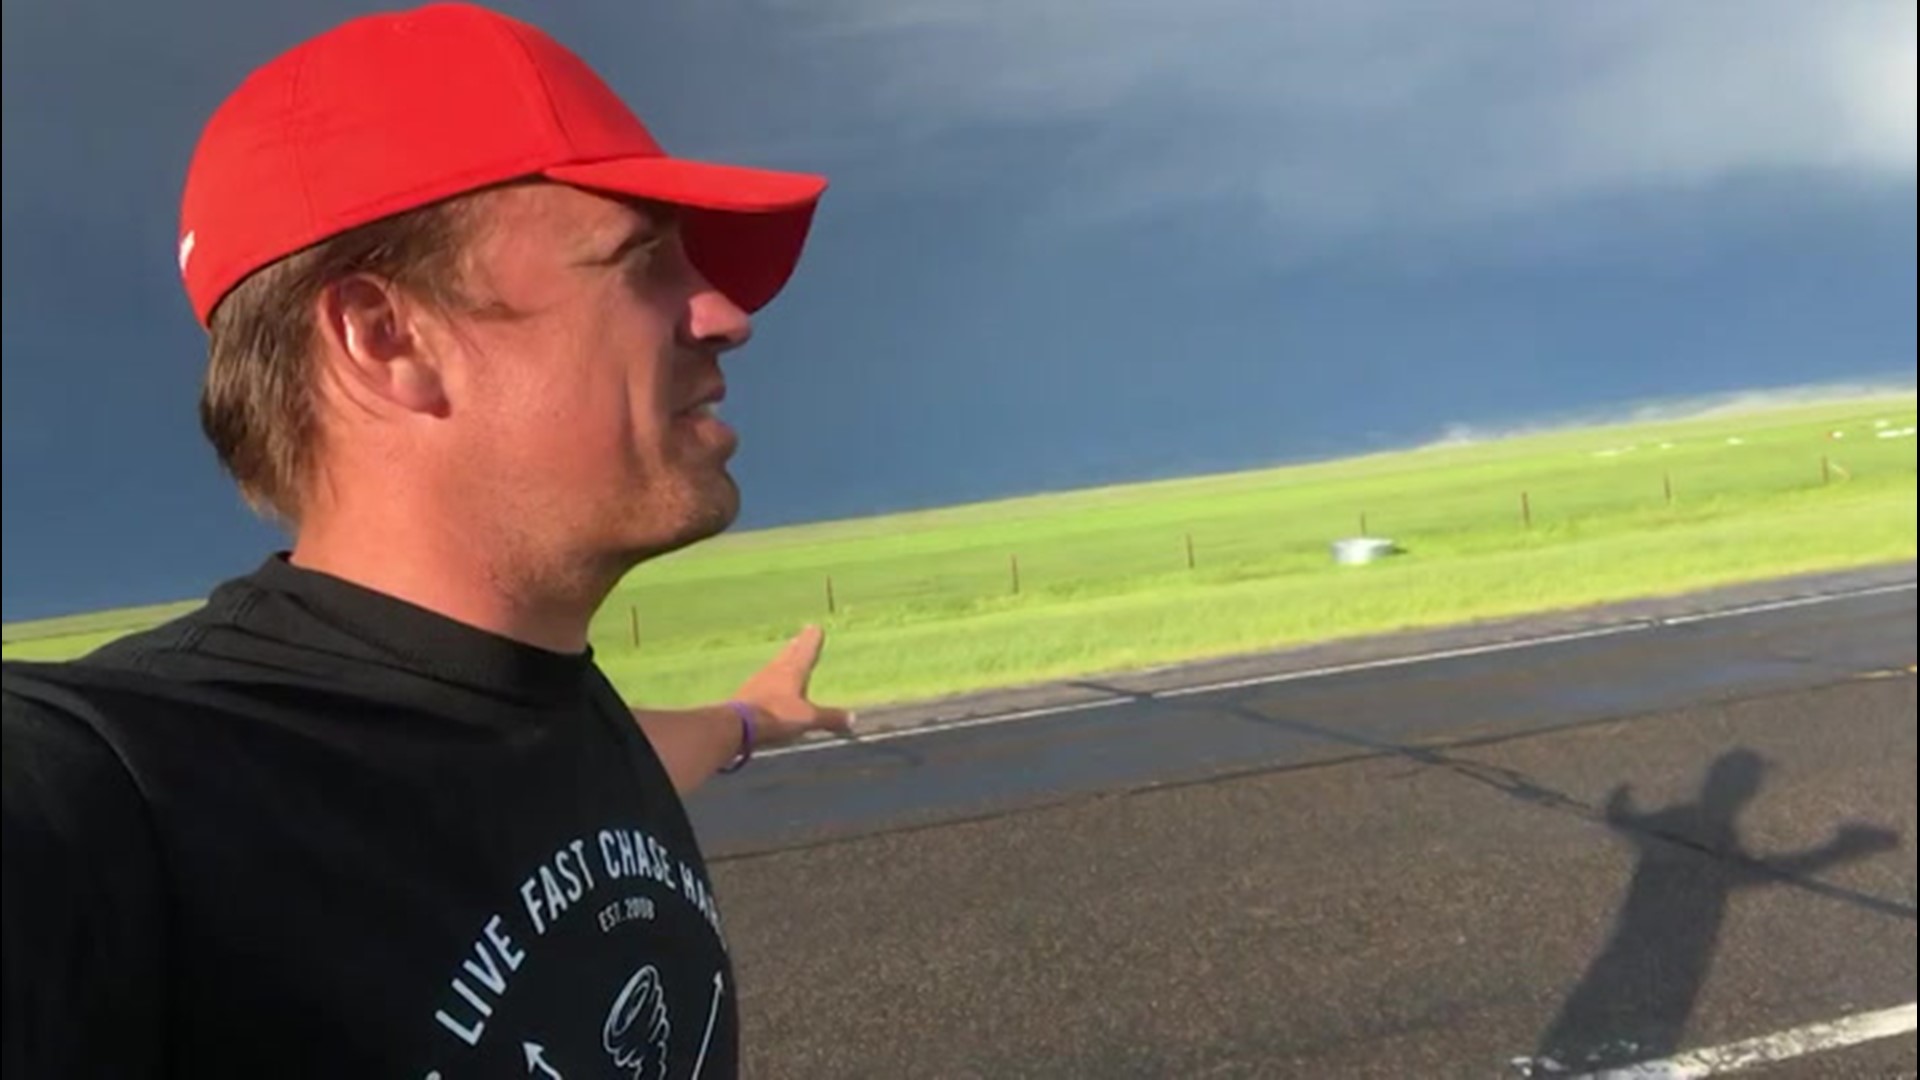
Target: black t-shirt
311 830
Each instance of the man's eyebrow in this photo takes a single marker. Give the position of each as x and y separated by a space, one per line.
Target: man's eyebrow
648 230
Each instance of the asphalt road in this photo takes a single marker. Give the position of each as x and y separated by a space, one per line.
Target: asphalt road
1606 849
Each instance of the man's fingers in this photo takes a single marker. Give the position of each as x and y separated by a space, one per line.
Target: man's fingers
805 645
780 689
839 720
803 652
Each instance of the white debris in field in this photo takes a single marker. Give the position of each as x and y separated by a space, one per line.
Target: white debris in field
1735 440
1666 446
1882 423
1895 433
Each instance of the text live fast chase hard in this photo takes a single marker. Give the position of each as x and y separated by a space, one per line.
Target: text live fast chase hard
566 880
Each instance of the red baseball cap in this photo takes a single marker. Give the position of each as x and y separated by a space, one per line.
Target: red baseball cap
391 112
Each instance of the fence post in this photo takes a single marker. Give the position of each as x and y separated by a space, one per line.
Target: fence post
633 619
1013 565
1526 510
1363 523
1189 551
1826 469
830 603
1668 483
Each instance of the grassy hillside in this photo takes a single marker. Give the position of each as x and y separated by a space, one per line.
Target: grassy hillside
926 603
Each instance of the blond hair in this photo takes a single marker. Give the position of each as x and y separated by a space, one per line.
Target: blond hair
257 402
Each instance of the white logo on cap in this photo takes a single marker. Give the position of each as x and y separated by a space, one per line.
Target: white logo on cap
186 250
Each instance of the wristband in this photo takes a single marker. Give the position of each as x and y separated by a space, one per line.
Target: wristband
745 713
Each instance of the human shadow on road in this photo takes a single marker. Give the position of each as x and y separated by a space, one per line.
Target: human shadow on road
1638 994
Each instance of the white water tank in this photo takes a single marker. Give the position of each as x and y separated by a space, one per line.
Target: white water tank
1356 550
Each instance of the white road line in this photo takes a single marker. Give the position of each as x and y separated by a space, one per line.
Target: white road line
951 725
1637 626
1770 1049
1782 605
1402 661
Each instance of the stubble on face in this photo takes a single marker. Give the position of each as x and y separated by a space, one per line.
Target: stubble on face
592 373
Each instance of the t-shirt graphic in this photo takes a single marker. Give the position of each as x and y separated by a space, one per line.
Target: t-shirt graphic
311 830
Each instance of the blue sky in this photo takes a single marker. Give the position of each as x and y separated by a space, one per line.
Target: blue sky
1066 243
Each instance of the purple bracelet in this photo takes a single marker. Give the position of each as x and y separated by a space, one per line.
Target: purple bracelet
745 713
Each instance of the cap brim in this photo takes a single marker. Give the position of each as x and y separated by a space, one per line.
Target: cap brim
743 228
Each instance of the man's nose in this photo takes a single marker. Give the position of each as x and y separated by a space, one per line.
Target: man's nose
714 320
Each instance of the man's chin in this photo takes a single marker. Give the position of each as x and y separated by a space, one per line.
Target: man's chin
724 495
712 511
705 505
722 519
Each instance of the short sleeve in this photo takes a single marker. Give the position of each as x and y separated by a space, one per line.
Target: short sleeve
83 906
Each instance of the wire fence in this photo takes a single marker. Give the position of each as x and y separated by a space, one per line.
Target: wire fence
1216 530
1218 538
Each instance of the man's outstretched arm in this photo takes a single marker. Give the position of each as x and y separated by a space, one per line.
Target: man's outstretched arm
694 744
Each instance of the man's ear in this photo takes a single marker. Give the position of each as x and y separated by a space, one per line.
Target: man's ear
375 345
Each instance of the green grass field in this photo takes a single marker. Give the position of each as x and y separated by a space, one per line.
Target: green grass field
924 604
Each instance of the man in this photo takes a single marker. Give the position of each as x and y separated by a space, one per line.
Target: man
374 811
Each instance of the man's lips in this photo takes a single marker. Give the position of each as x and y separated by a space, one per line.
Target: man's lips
706 404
